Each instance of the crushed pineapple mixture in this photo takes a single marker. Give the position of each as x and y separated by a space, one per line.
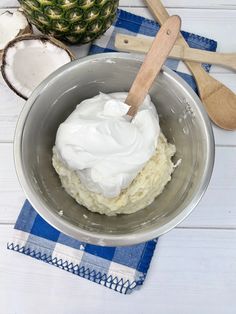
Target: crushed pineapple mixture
148 184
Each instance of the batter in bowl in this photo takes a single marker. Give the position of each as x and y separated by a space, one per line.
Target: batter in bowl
110 164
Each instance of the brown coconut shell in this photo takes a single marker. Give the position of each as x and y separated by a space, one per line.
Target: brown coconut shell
43 38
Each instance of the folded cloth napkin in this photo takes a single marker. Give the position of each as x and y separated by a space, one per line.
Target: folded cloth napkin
122 269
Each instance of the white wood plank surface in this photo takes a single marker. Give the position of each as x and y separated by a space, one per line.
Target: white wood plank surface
193 4
216 4
217 208
11 194
191 272
194 267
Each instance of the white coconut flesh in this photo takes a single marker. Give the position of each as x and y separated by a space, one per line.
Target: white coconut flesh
28 62
11 24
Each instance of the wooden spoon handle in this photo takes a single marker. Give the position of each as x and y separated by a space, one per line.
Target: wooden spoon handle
140 44
158 10
161 15
153 62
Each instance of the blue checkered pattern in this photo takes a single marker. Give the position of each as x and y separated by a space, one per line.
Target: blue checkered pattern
122 269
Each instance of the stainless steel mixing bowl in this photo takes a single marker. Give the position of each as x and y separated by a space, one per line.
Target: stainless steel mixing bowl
183 121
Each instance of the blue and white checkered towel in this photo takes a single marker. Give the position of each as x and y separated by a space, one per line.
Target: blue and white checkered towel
122 269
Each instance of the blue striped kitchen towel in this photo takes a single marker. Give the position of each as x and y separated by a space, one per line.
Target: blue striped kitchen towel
122 269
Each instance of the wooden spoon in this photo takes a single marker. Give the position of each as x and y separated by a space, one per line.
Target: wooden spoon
139 44
153 62
219 101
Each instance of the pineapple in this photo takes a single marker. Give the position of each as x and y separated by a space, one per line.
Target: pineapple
74 21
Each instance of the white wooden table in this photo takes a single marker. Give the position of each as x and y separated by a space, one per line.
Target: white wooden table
194 267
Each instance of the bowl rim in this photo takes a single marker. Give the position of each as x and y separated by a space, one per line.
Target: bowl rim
76 232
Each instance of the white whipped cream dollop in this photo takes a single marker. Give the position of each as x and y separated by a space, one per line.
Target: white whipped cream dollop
107 150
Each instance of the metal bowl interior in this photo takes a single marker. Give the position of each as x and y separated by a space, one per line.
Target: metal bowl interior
183 121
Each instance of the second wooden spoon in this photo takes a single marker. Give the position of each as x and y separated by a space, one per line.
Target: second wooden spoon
139 44
219 101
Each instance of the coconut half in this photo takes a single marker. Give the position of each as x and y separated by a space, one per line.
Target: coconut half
12 25
28 60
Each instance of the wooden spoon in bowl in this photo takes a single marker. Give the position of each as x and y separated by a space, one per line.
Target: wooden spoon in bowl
219 101
153 62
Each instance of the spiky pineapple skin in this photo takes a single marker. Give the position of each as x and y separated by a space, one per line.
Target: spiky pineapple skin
73 21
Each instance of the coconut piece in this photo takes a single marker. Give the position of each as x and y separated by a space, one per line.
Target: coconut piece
12 24
28 60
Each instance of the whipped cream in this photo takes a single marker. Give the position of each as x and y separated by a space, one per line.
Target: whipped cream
99 142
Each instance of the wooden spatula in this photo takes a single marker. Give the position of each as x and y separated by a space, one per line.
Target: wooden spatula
153 62
219 101
140 44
